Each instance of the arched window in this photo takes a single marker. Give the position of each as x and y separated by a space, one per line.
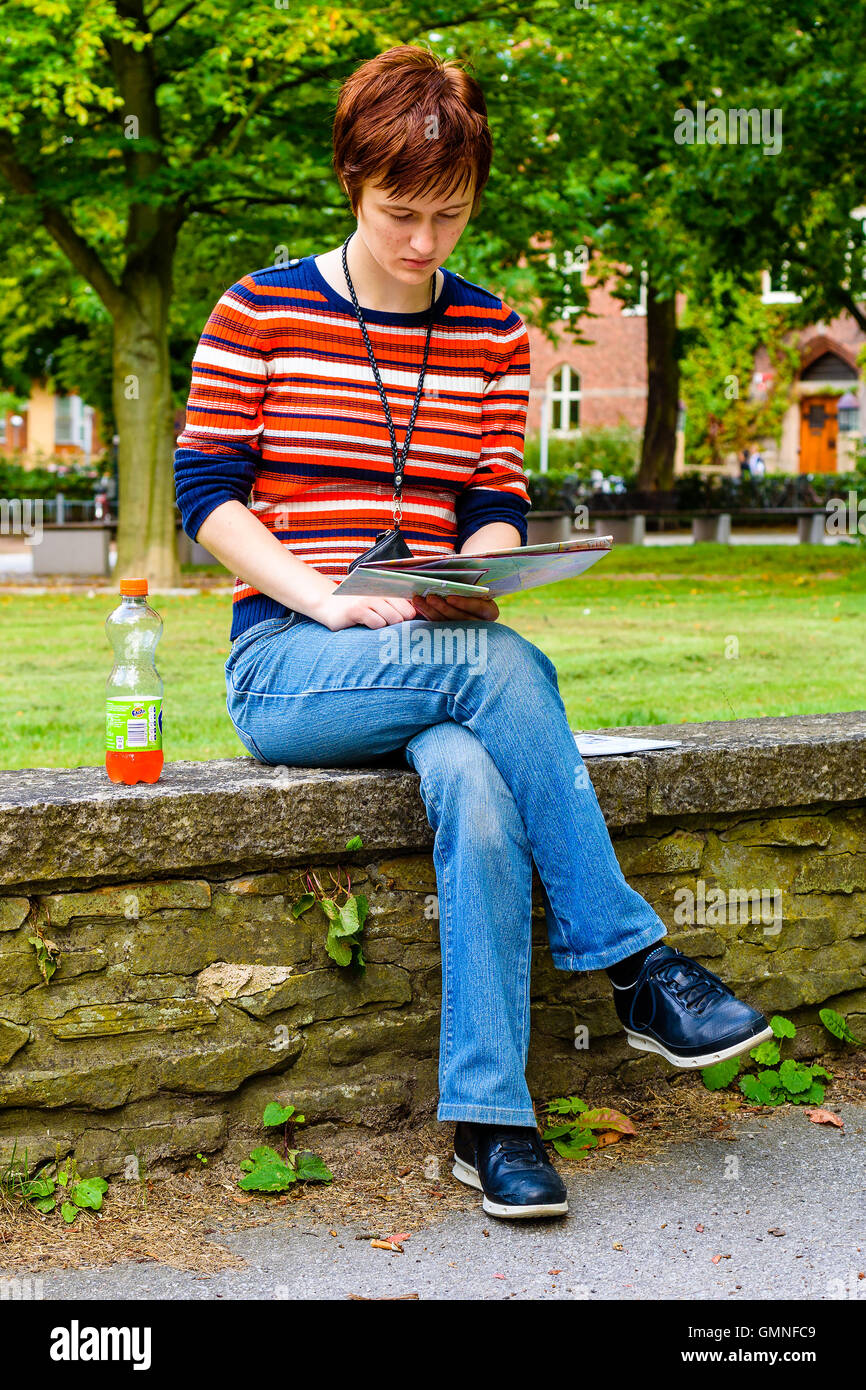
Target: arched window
563 394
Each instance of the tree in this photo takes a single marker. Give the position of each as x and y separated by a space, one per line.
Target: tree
679 211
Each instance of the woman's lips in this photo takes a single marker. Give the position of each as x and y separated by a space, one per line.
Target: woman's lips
417 265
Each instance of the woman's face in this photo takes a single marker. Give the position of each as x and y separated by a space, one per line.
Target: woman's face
409 238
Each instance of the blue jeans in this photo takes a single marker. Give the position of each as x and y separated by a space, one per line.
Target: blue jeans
477 712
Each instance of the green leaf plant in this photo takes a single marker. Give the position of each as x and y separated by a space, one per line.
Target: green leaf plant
580 1128
346 919
776 1082
268 1171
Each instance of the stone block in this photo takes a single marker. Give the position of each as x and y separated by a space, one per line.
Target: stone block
152 1016
12 1038
13 912
673 853
332 993
800 831
832 873
129 900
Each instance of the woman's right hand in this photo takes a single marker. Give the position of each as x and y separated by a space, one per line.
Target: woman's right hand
354 610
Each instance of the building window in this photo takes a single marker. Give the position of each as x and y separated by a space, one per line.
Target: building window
563 394
68 420
570 263
828 367
774 286
639 307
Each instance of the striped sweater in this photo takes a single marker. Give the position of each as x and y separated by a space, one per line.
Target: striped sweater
284 415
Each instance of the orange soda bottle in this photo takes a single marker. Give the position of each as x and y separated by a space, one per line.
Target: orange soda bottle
134 689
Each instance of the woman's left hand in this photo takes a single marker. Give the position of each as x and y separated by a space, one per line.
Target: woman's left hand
442 606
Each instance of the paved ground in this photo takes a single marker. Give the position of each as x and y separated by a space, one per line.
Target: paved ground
631 1234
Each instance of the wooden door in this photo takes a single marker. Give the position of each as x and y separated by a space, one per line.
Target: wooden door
818 431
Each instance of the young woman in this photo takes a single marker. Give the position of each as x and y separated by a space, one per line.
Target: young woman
313 384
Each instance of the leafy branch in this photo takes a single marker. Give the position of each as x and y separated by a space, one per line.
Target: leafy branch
346 919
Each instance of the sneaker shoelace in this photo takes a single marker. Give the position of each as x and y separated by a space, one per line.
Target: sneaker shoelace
696 990
515 1147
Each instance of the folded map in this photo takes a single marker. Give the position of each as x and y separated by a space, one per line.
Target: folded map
492 573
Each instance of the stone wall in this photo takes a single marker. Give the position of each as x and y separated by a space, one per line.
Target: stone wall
187 995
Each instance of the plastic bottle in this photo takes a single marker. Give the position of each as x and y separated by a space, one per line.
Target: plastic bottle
134 690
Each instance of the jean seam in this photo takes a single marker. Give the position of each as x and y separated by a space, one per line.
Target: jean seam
446 1013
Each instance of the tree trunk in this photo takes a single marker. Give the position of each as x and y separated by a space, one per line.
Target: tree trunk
658 450
146 533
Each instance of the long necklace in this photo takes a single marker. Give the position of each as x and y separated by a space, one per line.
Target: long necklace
399 459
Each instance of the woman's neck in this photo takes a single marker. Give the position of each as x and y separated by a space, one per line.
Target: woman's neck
374 288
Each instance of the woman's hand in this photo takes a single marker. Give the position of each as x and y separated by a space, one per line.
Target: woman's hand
441 606
354 610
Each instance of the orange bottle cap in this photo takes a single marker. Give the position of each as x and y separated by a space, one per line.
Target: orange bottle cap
133 586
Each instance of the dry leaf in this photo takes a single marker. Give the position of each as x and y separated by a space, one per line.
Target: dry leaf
607 1136
398 1239
825 1117
775 1231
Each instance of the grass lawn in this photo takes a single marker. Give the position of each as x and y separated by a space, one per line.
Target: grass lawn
650 635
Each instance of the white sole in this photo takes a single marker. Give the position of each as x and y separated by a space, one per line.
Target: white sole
706 1059
464 1173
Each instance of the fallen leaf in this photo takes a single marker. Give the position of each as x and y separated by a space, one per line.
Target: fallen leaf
607 1136
825 1117
554 1271
775 1231
241 1201
398 1239
499 1276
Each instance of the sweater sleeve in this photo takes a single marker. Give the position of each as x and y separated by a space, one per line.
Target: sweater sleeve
219 450
497 490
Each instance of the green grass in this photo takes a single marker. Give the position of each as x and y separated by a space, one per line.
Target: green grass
650 649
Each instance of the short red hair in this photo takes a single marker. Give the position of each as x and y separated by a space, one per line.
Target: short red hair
413 123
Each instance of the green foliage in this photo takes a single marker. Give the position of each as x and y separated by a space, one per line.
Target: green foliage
835 1024
573 1138
48 477
267 1171
791 1082
42 1193
723 330
47 953
346 919
721 1074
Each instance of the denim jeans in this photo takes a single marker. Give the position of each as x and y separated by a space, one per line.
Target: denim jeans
477 713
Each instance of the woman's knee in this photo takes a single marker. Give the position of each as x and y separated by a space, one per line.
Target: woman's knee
510 654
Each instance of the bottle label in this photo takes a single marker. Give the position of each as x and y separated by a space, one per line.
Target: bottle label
133 725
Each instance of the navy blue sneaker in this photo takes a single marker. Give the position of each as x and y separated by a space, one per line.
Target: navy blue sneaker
509 1164
685 1013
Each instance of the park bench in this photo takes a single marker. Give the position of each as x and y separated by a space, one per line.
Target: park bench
627 525
73 547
